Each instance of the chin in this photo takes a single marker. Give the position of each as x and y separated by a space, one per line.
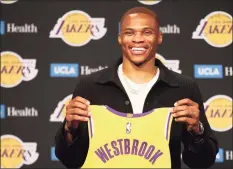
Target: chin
138 62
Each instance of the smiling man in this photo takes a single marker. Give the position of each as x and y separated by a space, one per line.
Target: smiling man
136 84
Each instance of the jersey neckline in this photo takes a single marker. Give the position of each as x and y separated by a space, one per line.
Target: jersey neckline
129 115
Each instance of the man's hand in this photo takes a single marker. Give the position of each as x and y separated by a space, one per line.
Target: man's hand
77 110
187 111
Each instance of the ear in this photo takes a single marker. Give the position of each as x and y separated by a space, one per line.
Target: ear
119 39
160 37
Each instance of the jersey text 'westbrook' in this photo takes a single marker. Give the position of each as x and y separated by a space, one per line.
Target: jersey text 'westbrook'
128 147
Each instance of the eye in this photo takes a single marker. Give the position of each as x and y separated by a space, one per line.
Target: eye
148 32
128 33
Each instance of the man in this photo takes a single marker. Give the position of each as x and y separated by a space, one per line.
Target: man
139 83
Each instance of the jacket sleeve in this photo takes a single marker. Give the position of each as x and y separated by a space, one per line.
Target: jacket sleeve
199 154
74 154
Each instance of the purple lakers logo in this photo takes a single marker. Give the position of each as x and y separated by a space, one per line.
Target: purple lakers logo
128 127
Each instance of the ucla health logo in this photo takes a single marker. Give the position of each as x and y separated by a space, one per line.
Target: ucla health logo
3 111
15 153
53 155
149 2
215 29
208 71
60 111
218 111
77 28
14 69
11 111
220 156
2 27
17 28
170 64
64 70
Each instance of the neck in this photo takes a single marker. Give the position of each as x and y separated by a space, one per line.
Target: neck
139 74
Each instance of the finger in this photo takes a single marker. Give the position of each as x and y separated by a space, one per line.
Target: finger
189 128
179 108
195 112
77 111
71 118
82 100
184 113
185 101
189 121
76 104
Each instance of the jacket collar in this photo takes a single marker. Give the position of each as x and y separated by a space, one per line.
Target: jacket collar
110 75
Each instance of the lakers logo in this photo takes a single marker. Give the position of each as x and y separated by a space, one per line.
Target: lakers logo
8 1
170 64
219 112
149 2
215 29
15 153
60 111
77 28
14 69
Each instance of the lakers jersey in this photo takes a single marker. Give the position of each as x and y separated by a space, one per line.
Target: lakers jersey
122 140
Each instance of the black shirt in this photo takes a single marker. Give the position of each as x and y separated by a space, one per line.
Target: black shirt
105 88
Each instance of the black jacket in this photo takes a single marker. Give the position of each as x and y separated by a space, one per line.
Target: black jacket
105 88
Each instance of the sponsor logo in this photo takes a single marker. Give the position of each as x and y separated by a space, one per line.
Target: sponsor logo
170 64
60 112
8 1
215 29
86 70
14 28
15 112
220 156
229 154
223 155
64 70
2 27
3 113
52 154
76 28
228 71
170 29
14 69
15 153
149 2
218 110
208 71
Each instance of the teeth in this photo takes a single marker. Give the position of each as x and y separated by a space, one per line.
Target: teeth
138 49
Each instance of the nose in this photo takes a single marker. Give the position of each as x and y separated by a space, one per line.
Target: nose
138 38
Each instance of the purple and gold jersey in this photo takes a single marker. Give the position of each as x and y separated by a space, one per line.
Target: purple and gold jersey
123 140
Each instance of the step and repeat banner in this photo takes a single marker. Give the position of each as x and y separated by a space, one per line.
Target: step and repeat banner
47 44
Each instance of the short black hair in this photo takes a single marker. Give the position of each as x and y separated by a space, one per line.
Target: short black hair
143 10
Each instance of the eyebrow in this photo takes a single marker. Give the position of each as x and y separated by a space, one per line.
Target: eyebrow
144 28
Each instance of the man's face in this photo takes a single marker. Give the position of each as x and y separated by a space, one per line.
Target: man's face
139 38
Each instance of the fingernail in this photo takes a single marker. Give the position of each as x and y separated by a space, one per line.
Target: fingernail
89 113
175 103
86 119
88 103
172 109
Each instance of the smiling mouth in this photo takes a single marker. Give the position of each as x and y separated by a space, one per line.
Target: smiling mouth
138 50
